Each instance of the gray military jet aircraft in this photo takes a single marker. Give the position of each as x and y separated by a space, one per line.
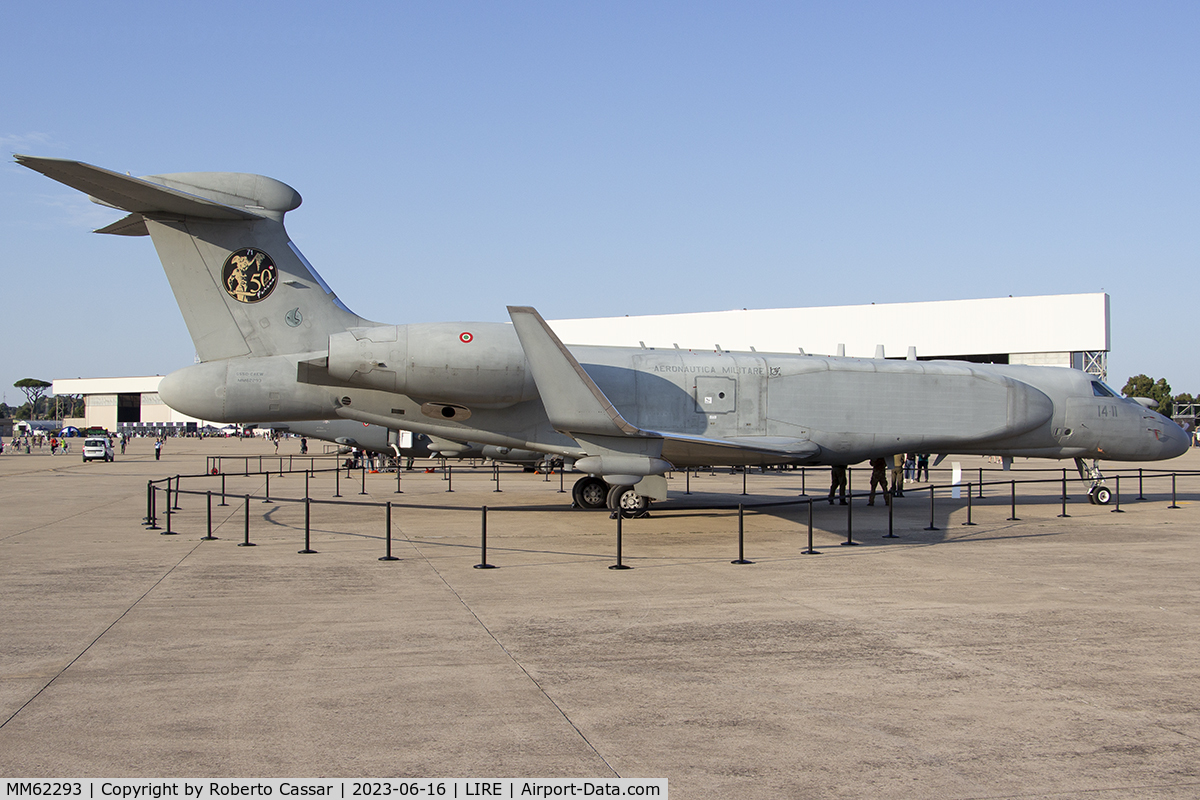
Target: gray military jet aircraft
276 344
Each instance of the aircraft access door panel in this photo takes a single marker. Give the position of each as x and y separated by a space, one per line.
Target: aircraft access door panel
716 395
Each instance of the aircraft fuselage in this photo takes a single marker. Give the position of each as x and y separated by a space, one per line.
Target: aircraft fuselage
471 381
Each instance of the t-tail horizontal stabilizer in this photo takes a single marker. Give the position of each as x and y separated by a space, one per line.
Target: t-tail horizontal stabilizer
166 195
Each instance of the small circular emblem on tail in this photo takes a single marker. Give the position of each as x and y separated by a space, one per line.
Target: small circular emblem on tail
249 275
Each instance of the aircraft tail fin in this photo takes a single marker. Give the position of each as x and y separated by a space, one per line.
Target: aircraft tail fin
243 287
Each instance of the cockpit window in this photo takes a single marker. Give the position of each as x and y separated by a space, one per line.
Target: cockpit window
1100 390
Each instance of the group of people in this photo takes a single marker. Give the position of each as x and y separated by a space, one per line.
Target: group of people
915 465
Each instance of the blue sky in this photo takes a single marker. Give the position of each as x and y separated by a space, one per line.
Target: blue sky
616 158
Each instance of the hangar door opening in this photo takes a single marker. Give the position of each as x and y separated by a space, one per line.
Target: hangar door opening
129 407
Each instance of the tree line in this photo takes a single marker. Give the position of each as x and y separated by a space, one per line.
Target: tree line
38 403
1159 391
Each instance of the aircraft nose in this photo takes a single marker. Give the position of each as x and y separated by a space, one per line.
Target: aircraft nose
1175 440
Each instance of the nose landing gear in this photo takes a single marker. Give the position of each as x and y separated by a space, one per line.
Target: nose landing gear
1098 494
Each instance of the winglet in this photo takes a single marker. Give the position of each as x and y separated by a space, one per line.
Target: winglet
573 401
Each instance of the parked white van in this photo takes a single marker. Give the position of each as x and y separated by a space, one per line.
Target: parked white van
97 448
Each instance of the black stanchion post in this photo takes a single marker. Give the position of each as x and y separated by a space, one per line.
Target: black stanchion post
1118 509
968 522
561 470
810 551
147 520
981 483
891 534
223 503
208 509
389 556
1140 497
1170 506
307 519
850 511
745 471
364 478
1014 517
267 493
306 486
176 504
153 506
741 559
687 480
496 477
168 531
483 562
802 489
1064 495
337 482
246 541
398 491
932 526
449 477
849 515
619 565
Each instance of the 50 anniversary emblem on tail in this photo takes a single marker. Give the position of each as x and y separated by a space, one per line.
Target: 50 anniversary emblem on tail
249 275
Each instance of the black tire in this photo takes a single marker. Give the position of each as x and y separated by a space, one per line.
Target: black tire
626 501
1091 494
1102 496
589 492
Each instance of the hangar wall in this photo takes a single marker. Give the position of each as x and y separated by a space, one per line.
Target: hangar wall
111 403
1046 329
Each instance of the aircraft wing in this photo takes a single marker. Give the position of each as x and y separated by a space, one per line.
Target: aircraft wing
127 193
578 407
749 450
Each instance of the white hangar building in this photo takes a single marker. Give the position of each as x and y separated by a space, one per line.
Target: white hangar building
1069 330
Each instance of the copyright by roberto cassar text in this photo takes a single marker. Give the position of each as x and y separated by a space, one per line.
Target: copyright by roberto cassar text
334 787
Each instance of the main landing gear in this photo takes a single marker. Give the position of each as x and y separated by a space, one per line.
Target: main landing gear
1098 493
592 492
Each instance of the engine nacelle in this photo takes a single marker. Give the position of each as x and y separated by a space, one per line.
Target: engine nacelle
477 364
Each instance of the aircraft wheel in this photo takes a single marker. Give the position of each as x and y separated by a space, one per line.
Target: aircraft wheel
1102 496
625 500
589 492
1091 495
